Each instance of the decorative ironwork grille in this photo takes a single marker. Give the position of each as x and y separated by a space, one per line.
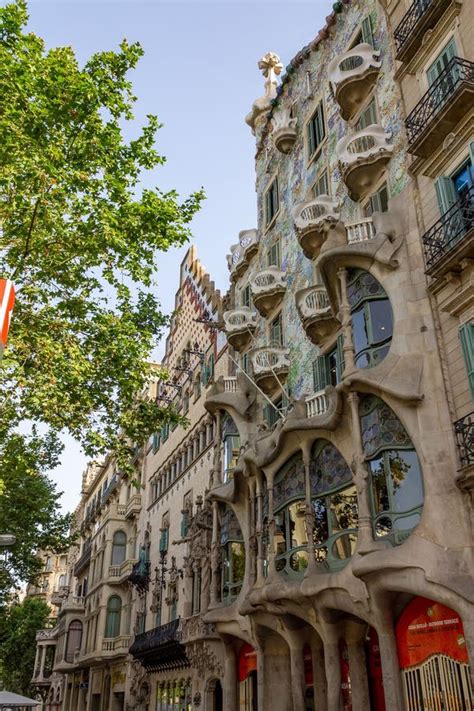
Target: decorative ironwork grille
409 21
450 229
464 430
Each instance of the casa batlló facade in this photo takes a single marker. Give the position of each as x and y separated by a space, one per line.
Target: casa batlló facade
306 543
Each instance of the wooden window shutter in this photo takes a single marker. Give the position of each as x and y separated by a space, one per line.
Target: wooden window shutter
466 335
340 354
367 35
446 193
320 373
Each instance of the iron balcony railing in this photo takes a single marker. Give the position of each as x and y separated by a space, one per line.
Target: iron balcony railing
464 430
84 559
453 226
161 648
438 95
411 18
140 575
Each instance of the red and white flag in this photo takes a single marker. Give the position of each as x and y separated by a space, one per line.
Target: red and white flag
7 301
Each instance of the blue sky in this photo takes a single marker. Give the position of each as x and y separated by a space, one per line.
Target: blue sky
199 75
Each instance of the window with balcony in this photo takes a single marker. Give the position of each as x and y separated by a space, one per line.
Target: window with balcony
119 547
73 640
273 254
272 412
232 542
396 487
276 332
315 131
246 296
113 616
378 202
321 186
441 62
328 368
466 335
368 116
231 447
365 34
335 508
290 539
272 202
372 318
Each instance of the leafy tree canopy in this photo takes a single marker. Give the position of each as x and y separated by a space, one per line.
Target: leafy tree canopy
79 238
19 624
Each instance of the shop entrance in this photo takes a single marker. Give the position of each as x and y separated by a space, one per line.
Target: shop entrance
433 658
247 675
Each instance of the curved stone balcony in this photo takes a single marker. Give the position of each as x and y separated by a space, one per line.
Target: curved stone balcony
240 325
313 219
241 253
234 393
362 158
270 366
352 75
268 287
315 313
284 129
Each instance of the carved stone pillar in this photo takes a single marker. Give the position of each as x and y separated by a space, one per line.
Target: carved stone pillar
297 676
215 556
271 532
332 665
346 321
358 672
259 534
229 686
392 683
309 513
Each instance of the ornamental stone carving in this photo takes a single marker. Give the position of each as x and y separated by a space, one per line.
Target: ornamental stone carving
203 659
271 67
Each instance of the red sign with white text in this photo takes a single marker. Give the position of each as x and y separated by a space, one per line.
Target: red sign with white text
246 661
426 628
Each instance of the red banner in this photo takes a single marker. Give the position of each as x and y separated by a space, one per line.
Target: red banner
7 301
426 628
374 663
246 661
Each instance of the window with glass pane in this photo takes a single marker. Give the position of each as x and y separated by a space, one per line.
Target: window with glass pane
316 130
441 62
113 617
466 335
367 117
290 538
272 202
273 255
365 34
335 509
73 640
276 332
119 547
396 485
378 202
233 548
321 186
372 318
246 297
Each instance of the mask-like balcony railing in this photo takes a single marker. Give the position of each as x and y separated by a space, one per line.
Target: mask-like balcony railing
352 75
133 506
268 287
362 158
421 16
241 253
270 367
360 231
443 106
315 312
240 325
451 239
313 219
284 129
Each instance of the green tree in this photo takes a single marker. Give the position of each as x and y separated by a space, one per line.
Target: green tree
19 623
80 238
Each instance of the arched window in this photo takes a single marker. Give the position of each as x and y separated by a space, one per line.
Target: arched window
372 318
231 447
334 499
119 547
232 542
73 640
290 539
396 486
114 613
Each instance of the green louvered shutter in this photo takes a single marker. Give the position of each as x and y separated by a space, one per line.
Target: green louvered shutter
441 62
268 206
446 194
311 137
340 355
320 373
367 35
466 334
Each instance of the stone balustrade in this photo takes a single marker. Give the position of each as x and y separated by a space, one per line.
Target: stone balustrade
362 157
230 384
360 231
317 404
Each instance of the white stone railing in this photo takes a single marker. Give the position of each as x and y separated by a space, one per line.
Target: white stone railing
230 384
116 643
267 280
134 503
121 509
313 301
314 212
364 144
240 318
353 64
265 360
317 404
360 231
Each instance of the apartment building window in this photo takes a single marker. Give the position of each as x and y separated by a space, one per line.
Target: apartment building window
156 441
165 432
441 62
164 537
73 640
315 130
452 188
233 547
231 447
276 332
321 186
365 34
113 617
328 368
466 335
273 254
246 296
272 202
290 537
378 202
119 547
372 318
271 412
367 117
245 363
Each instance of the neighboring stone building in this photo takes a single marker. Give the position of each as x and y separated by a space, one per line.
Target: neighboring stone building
345 528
